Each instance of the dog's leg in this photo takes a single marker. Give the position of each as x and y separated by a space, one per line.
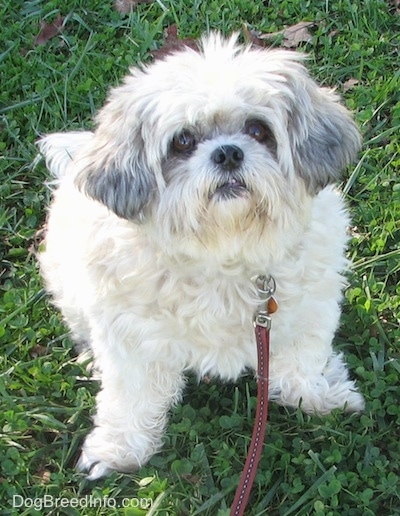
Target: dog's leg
305 369
132 409
315 377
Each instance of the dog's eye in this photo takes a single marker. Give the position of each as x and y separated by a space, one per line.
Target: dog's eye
258 131
184 142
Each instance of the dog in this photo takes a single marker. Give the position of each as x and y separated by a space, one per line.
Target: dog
205 168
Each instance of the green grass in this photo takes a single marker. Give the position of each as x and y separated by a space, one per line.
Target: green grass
339 465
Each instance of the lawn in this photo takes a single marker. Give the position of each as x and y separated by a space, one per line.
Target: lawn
338 465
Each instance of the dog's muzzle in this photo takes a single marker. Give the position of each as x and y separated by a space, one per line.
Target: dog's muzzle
230 184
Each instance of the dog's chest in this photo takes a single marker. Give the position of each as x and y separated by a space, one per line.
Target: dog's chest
202 306
209 318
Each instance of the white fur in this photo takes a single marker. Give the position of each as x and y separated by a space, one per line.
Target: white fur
166 286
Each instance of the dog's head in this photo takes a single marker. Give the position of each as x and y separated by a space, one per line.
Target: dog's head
227 137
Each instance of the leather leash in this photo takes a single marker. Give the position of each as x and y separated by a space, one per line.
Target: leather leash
262 324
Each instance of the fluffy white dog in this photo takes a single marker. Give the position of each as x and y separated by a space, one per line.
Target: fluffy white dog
205 169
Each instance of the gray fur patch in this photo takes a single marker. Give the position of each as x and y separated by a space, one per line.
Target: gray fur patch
331 143
125 192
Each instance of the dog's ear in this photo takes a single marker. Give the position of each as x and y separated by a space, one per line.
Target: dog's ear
113 169
324 138
126 187
121 168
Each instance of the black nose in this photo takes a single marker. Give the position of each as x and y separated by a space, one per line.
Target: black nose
228 156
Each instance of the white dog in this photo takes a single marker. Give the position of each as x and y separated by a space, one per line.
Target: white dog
205 169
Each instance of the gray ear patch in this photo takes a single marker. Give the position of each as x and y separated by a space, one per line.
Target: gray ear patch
330 143
125 192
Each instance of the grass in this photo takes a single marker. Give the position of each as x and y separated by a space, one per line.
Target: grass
338 465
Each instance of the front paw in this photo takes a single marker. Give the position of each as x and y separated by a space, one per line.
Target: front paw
94 467
102 454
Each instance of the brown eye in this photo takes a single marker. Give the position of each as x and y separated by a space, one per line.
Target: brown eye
184 142
258 131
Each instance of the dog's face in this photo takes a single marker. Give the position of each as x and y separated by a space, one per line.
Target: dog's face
227 137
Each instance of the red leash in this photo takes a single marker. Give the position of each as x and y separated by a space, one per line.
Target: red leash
262 323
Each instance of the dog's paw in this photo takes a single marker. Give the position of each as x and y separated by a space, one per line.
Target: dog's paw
103 452
355 401
94 468
342 391
98 454
320 394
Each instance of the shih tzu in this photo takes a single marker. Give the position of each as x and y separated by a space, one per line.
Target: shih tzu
205 169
